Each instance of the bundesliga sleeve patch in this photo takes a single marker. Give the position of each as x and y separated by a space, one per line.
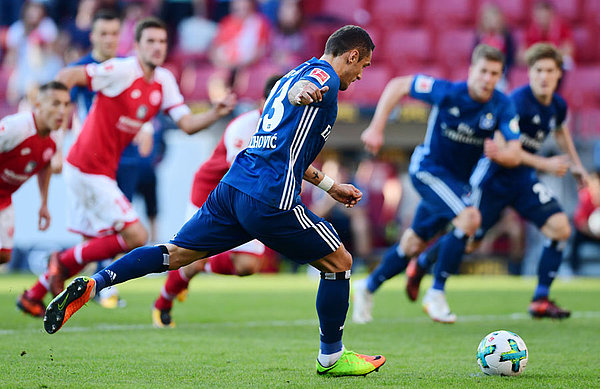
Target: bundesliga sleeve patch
320 75
424 84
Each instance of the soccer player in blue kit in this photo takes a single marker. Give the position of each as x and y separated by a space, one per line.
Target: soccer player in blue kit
461 126
259 198
541 112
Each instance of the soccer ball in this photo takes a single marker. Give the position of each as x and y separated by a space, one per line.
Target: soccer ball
594 222
502 353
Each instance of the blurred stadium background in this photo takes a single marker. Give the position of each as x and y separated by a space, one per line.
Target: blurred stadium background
434 37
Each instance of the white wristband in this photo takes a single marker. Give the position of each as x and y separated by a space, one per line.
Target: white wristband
326 183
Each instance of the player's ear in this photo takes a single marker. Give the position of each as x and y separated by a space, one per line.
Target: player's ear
353 56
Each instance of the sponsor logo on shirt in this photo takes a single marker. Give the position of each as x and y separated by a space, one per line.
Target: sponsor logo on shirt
424 84
13 178
320 75
129 125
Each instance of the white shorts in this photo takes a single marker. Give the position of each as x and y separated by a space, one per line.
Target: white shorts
7 228
96 205
253 247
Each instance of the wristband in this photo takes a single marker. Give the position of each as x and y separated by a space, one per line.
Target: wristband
326 183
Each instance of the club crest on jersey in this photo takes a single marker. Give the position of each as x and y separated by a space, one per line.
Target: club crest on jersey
30 166
487 121
155 97
320 75
141 112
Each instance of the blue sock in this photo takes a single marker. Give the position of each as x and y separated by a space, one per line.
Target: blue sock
393 262
137 263
549 263
452 248
332 305
430 256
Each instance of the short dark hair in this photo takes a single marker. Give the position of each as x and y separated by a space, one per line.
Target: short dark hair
542 51
486 52
150 22
105 14
270 83
348 38
53 85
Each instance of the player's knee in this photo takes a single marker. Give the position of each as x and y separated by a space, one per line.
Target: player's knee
557 227
4 257
135 235
411 244
468 220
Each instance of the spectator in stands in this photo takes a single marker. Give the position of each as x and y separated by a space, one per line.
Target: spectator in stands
242 40
547 26
493 31
196 33
290 43
134 12
585 231
30 51
80 27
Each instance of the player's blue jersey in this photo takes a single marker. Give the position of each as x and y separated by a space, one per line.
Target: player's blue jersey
458 125
536 121
82 96
287 140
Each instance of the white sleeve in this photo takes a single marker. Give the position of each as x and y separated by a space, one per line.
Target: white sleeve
172 100
58 137
13 131
111 77
238 133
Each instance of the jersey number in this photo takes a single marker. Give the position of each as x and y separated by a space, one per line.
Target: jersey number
272 118
543 193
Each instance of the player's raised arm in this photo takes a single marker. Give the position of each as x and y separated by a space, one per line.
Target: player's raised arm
73 76
565 142
395 89
192 123
346 194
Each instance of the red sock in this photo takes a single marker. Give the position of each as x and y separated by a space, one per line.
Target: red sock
222 263
92 250
37 291
176 283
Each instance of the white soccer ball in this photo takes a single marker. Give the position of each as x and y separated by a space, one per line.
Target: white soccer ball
594 222
502 353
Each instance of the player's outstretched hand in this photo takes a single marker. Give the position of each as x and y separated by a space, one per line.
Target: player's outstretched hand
44 219
346 194
226 104
372 138
557 165
310 93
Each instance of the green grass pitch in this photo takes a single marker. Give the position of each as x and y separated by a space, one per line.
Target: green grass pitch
261 331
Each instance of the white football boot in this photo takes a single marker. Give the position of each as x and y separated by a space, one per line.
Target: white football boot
362 301
436 306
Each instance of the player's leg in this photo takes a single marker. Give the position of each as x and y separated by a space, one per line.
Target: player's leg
538 205
7 230
306 238
213 229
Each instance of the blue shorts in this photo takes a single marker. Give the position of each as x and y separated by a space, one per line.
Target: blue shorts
443 196
517 188
230 218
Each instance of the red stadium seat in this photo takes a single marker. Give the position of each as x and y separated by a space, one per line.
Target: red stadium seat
569 10
518 76
254 80
194 82
587 45
401 47
454 47
367 91
348 10
449 12
386 11
591 11
580 86
587 123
